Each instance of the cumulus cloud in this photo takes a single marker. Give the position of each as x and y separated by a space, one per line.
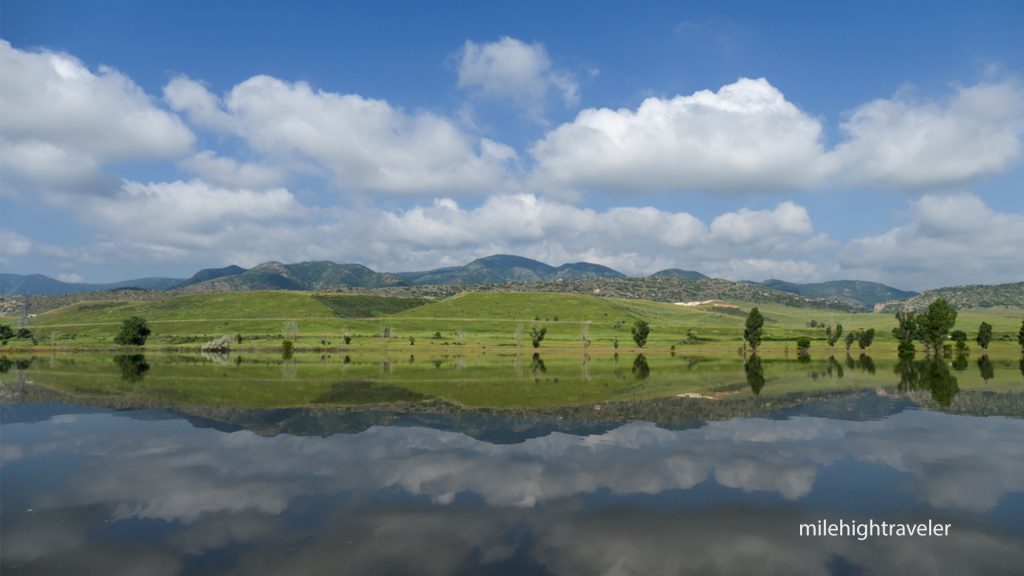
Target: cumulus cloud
946 240
13 244
906 143
62 122
363 144
512 70
747 136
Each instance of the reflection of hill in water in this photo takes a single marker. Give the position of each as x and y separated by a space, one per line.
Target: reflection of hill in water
506 425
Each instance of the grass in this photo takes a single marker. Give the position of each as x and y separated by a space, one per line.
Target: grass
487 320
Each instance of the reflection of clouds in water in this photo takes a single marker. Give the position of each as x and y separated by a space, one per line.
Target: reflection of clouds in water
957 463
240 488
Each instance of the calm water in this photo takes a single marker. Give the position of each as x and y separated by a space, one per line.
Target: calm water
87 489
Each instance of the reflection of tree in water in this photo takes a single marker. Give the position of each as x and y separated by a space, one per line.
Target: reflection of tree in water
865 363
986 368
641 370
585 367
936 377
928 374
5 364
1021 364
537 365
133 366
755 373
834 367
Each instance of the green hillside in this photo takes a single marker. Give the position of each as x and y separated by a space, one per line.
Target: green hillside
973 296
856 293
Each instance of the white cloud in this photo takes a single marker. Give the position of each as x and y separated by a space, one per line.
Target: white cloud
179 220
62 122
13 244
231 173
364 144
903 143
746 136
946 240
513 70
70 278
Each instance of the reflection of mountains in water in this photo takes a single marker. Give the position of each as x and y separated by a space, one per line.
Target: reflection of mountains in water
510 425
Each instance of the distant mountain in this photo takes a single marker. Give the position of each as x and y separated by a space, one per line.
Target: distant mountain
321 275
211 274
857 293
972 296
502 268
18 284
681 274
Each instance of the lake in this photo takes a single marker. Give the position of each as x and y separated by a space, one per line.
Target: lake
187 464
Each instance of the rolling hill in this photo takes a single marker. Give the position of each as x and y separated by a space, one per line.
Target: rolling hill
972 296
857 293
19 284
681 274
320 275
502 268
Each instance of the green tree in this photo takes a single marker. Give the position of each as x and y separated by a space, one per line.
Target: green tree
984 335
1020 336
640 330
906 329
803 343
960 338
6 333
753 329
833 333
935 324
851 337
865 338
537 335
134 332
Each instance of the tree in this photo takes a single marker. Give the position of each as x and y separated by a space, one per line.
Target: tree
6 333
753 328
906 329
960 338
640 330
851 337
832 334
1020 336
803 343
134 332
865 338
984 335
537 335
935 324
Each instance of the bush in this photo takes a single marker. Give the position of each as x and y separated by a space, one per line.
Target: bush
134 332
219 345
6 333
803 343
287 347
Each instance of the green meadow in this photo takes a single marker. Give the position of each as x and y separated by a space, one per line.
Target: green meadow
483 320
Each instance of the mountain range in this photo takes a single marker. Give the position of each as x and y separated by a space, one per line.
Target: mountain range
497 269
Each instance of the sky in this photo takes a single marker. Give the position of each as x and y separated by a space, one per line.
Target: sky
806 141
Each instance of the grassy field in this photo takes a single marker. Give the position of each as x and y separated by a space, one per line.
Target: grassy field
471 320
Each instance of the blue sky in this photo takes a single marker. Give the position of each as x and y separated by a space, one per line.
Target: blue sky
749 140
